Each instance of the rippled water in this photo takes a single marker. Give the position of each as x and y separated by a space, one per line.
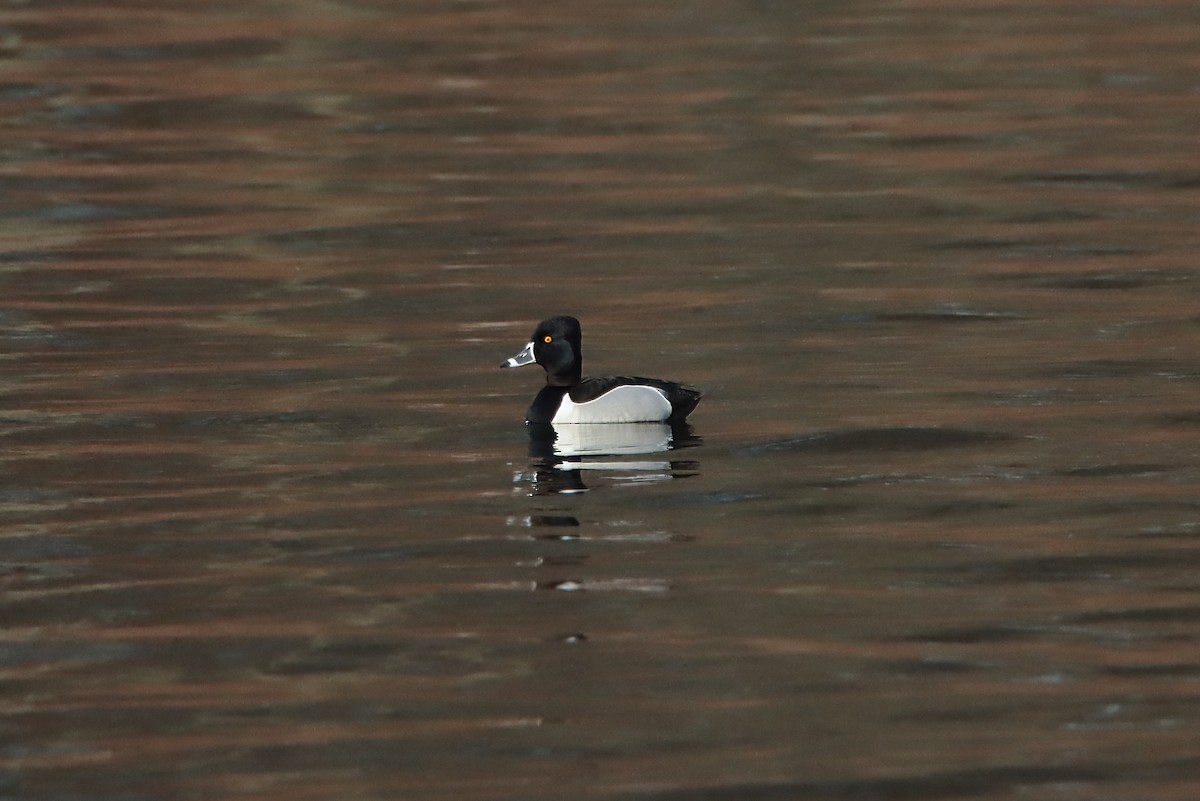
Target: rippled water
271 526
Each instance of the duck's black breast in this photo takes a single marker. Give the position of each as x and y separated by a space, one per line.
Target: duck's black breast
545 404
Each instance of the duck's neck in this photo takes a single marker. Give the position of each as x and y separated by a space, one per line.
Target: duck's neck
566 377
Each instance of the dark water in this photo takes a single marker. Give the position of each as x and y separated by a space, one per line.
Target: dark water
270 526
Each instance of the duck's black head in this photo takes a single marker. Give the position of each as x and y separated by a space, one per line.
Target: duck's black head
555 346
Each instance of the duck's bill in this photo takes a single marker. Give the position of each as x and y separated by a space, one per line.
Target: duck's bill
522 358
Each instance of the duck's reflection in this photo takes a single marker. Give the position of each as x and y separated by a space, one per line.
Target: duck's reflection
560 456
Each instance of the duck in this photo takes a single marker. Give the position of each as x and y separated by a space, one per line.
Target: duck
569 398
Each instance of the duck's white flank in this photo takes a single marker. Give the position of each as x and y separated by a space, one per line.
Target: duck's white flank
627 404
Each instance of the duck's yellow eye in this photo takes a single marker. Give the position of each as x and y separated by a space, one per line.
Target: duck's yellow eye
547 339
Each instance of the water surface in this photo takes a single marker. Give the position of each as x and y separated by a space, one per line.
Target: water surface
271 526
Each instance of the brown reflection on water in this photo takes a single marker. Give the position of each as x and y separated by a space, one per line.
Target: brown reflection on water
269 524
